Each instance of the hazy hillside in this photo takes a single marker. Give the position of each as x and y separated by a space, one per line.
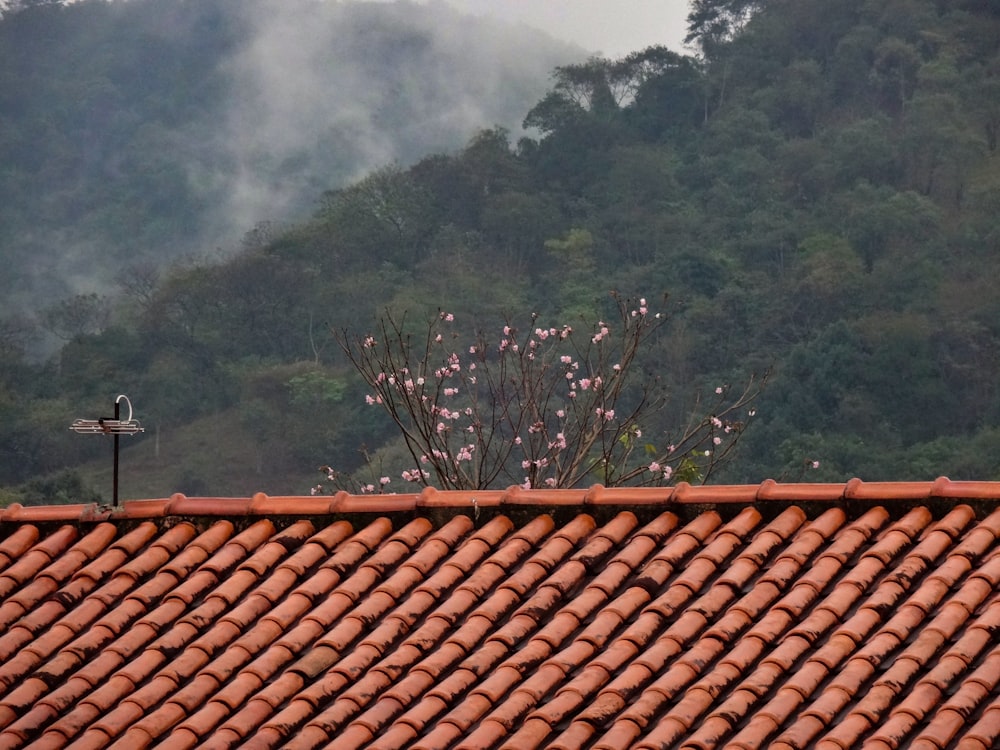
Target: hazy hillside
815 194
137 133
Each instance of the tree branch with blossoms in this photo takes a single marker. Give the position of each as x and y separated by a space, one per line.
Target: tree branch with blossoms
543 406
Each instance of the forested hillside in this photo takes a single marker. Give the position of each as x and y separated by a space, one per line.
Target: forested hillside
135 134
813 193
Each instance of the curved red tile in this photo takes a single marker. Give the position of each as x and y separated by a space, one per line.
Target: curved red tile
743 633
19 541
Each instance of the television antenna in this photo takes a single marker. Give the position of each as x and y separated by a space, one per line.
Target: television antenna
115 426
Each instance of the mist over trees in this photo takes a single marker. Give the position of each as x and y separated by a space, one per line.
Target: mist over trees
813 193
134 134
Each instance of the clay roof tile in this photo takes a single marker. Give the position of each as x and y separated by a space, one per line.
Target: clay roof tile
508 618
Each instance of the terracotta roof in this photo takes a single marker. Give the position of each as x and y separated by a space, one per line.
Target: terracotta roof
857 615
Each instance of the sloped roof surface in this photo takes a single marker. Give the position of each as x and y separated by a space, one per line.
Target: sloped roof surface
786 616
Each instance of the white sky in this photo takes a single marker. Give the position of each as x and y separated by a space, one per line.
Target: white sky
611 28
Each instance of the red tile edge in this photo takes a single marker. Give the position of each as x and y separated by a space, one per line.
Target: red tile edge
42 513
261 504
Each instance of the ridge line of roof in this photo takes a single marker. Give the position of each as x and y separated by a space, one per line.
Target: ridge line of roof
429 498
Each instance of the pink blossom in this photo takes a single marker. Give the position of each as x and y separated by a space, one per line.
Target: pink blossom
369 342
437 338
384 481
560 413
506 330
815 464
654 467
716 440
550 482
565 359
668 472
472 349
369 399
525 464
526 485
719 390
585 383
450 391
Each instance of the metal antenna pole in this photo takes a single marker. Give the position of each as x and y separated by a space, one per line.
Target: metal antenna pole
114 426
114 481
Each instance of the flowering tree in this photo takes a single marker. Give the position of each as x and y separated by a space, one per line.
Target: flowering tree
544 406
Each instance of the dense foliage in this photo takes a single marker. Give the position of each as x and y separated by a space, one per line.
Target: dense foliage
814 192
